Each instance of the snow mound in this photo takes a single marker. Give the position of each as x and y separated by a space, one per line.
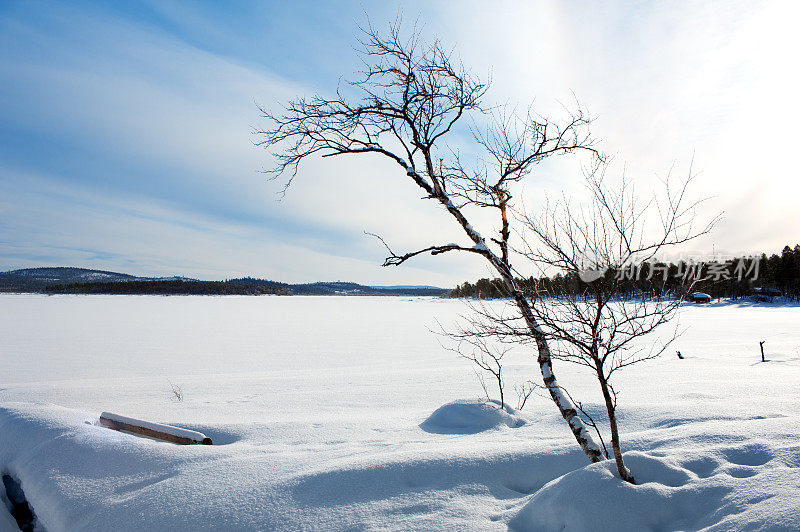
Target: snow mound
666 497
471 416
594 498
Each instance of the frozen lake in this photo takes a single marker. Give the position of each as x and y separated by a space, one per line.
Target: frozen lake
316 404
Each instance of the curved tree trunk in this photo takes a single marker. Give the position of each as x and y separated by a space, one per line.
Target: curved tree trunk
502 266
562 401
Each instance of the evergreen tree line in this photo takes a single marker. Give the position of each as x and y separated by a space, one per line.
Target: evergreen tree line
168 287
239 286
732 277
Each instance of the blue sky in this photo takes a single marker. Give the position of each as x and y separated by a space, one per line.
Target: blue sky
125 126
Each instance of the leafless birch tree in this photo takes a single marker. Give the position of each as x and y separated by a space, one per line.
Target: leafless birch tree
611 240
409 98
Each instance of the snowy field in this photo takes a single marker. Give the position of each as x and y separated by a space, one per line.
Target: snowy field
319 410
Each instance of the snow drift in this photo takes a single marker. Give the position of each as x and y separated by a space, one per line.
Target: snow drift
667 496
470 417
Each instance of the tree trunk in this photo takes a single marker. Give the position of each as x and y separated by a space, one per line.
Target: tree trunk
624 474
562 401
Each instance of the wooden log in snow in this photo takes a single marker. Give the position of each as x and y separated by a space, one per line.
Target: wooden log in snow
153 430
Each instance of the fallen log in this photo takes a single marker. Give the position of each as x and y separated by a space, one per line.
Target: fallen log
153 430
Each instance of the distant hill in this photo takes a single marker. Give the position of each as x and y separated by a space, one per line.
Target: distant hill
67 280
407 287
331 288
37 279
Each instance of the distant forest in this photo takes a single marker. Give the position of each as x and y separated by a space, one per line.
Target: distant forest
167 287
242 286
71 280
733 278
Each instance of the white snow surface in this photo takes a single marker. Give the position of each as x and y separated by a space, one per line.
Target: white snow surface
7 522
334 413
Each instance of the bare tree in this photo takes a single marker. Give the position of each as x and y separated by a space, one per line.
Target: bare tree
403 106
524 391
487 358
177 391
600 247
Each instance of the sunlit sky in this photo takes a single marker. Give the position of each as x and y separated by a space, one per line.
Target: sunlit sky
125 127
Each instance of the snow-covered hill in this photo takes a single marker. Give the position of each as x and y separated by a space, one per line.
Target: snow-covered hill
31 279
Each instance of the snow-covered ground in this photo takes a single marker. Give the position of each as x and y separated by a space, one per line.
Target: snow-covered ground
332 413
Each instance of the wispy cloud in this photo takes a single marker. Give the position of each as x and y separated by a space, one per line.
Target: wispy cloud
126 112
125 129
60 224
668 83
